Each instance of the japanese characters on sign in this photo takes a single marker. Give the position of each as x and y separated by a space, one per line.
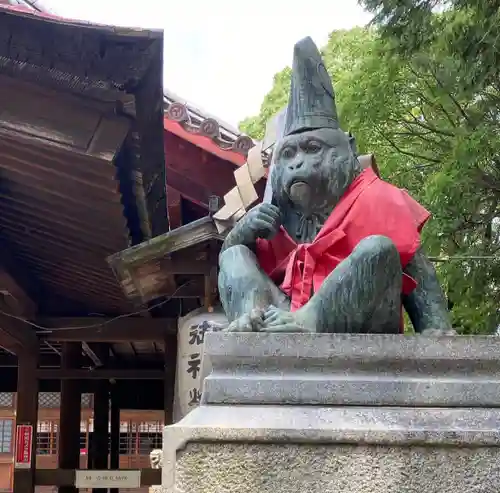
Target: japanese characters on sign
197 333
194 365
24 448
191 337
194 397
108 479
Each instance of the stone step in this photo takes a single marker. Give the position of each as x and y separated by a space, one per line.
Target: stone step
338 369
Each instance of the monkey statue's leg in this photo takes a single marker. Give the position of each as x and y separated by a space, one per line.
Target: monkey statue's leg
363 295
245 290
426 305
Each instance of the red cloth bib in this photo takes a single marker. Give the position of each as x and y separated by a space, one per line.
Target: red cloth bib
370 206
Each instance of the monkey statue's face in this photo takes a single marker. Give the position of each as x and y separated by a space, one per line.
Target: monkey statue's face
312 170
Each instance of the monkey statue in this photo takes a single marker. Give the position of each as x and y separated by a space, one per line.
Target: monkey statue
337 249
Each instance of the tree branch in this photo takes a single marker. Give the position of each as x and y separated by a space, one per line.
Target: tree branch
452 98
408 153
415 168
418 123
434 95
488 182
422 137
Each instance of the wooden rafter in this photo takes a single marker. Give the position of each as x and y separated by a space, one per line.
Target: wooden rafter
13 284
15 302
15 336
95 353
105 374
100 329
187 187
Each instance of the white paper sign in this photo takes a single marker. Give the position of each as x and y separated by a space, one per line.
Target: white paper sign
108 479
190 340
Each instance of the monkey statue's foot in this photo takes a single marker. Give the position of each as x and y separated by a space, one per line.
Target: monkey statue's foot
249 322
277 320
438 332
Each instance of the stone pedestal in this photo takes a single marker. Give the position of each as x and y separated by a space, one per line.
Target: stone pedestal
298 413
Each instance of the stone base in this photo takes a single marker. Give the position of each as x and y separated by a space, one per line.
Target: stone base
326 413
292 468
276 449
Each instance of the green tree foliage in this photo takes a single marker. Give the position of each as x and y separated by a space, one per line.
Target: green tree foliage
467 29
434 130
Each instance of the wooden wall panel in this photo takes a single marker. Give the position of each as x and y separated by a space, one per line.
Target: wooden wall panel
6 475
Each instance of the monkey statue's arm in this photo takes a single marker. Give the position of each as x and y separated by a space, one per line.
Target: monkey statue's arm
262 221
426 305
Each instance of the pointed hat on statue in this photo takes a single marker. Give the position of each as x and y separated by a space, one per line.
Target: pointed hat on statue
311 104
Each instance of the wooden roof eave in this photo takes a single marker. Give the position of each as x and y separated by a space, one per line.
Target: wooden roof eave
138 262
91 68
179 239
95 75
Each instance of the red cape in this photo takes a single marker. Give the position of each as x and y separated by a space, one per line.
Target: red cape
370 206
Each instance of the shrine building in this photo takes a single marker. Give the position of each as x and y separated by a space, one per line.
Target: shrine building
95 158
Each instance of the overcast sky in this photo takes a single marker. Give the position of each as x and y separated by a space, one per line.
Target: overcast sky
222 55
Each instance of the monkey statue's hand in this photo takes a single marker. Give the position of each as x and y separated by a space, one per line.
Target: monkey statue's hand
262 221
277 320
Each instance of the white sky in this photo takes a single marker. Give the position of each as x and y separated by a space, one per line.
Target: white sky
220 56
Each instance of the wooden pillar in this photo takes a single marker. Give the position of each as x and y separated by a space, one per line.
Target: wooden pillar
114 454
170 364
26 414
101 427
69 425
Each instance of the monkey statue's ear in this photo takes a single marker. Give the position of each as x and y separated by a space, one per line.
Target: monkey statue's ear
352 143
